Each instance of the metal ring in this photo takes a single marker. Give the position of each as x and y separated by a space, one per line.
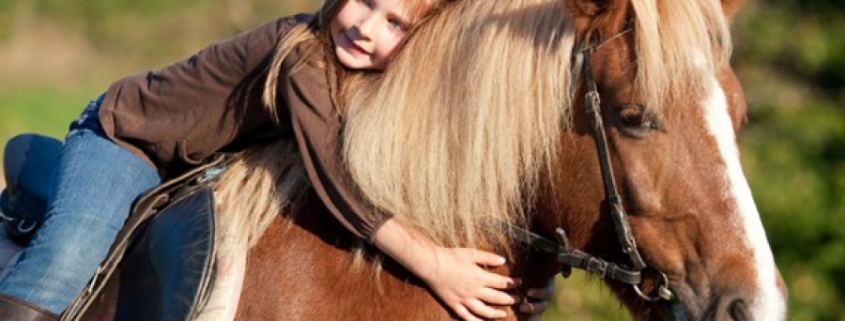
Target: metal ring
26 229
663 291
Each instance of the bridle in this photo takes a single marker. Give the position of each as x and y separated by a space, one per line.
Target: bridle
570 257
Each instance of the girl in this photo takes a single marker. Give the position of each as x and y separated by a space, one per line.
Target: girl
155 125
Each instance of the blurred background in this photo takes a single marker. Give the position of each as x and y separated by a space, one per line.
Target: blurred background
56 55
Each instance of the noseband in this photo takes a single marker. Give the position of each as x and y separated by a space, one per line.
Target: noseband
570 257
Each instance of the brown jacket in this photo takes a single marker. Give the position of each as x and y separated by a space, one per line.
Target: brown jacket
176 117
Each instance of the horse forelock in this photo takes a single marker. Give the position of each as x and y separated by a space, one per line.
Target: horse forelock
679 45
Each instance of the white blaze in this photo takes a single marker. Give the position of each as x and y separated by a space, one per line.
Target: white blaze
769 304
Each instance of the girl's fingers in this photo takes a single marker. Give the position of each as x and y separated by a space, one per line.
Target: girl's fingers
486 258
496 297
533 307
465 314
500 282
485 311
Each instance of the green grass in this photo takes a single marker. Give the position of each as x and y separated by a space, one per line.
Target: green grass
46 110
584 298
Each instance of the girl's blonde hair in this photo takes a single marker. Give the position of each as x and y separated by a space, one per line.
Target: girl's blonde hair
316 35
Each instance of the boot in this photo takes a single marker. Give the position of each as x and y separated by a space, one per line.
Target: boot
13 309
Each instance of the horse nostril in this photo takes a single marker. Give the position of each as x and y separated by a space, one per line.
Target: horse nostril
738 311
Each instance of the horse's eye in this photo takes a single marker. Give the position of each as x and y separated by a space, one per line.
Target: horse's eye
636 120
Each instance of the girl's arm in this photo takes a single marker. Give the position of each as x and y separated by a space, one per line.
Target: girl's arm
177 116
458 275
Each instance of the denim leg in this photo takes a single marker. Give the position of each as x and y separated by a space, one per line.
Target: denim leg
92 190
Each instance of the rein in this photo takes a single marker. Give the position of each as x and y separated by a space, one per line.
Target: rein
570 257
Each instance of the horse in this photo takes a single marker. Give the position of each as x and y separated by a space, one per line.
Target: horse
596 134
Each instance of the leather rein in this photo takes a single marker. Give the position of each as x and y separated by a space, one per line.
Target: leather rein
570 257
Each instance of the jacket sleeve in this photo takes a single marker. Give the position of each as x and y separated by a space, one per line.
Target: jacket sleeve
317 125
177 116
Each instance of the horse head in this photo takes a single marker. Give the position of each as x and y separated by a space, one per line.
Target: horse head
671 107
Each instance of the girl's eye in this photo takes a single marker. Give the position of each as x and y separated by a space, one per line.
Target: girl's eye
366 3
397 25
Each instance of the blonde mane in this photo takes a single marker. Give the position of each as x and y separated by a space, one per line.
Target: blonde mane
455 135
680 46
260 183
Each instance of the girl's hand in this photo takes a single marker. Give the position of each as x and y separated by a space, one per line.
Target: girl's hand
460 279
537 300
457 275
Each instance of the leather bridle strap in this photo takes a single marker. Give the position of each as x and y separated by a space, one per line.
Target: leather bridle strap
569 257
592 107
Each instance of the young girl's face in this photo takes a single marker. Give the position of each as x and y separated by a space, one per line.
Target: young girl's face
366 33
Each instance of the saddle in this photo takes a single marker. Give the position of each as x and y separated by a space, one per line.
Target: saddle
166 273
28 160
165 250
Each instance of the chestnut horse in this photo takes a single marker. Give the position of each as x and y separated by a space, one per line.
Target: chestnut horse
664 213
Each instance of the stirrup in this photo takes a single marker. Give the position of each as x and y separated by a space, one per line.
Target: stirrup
19 229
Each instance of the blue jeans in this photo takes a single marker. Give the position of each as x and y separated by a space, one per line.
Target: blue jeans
89 196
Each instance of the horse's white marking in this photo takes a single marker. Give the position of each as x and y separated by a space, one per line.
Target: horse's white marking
770 303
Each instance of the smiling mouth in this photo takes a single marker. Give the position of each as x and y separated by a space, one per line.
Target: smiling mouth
353 47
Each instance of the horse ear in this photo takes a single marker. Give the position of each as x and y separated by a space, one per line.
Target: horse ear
731 6
585 11
587 8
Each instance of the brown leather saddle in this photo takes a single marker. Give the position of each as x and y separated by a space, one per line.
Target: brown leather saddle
165 250
165 253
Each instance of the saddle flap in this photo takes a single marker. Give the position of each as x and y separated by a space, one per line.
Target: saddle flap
167 272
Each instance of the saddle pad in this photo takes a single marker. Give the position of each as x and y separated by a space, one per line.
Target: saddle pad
166 273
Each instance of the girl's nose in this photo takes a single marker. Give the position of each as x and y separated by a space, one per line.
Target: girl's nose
368 26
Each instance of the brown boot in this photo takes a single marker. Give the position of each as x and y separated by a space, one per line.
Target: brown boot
13 309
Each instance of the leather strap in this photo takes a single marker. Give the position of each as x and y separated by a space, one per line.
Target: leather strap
18 310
